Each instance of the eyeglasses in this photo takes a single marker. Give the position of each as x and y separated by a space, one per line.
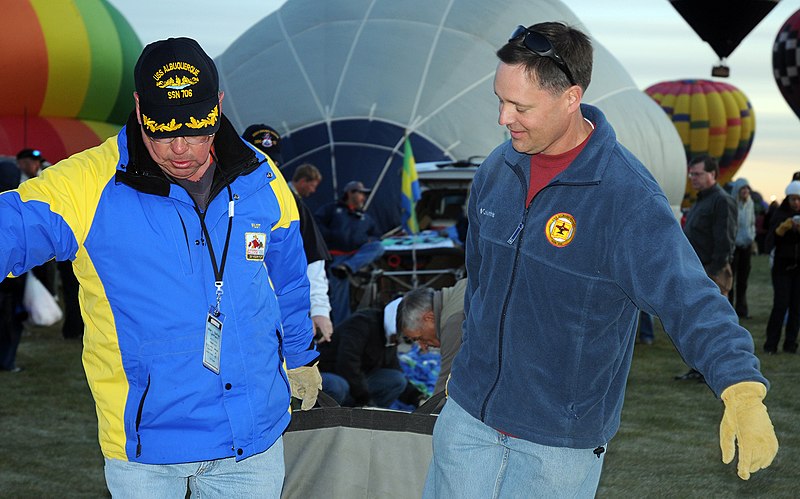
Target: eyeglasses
541 46
192 140
697 174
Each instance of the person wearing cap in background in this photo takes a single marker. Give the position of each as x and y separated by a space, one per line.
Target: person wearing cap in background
29 162
360 364
353 239
268 141
783 242
186 245
569 237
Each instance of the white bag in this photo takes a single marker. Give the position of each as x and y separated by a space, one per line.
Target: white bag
40 304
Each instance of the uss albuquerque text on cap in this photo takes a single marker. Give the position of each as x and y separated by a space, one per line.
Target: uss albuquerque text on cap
178 88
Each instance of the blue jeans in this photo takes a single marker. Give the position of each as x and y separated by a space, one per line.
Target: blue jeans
339 289
384 386
471 459
257 476
646 327
335 386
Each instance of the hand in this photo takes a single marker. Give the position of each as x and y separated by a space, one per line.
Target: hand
306 382
746 420
784 227
324 326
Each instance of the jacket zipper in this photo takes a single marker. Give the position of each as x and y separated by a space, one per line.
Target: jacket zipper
517 234
139 418
280 360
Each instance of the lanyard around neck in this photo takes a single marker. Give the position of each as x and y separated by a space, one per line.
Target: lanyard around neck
218 270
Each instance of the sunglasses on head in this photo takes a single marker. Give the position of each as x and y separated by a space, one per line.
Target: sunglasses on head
541 46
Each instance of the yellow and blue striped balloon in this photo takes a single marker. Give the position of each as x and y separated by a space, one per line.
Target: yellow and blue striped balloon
712 118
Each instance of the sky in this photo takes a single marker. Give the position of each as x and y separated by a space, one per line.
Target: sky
649 38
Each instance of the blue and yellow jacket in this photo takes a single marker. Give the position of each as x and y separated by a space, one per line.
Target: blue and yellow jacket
147 283
554 291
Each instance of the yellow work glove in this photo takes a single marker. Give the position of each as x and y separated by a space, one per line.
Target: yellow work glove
784 227
306 382
746 420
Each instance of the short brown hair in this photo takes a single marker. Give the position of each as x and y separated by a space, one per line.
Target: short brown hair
574 47
306 171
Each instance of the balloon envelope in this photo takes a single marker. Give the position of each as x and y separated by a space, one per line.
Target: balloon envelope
786 61
712 118
723 23
67 68
343 81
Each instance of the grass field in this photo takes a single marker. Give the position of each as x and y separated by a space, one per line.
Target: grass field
667 446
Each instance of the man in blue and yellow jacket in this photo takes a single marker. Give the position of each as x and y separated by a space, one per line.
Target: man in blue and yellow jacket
193 286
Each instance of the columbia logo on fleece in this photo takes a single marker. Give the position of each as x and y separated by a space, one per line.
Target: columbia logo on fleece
484 211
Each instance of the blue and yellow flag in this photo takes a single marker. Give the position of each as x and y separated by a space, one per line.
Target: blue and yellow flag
410 190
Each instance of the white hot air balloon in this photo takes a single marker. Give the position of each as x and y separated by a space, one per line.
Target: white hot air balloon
344 81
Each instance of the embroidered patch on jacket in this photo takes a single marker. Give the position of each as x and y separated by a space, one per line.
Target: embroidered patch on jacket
255 245
560 229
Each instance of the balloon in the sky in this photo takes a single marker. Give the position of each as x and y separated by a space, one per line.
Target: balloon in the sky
712 118
786 61
723 24
67 74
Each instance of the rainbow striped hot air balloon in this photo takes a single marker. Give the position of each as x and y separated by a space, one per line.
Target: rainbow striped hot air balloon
712 118
67 71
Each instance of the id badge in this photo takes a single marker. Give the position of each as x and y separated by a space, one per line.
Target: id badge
213 342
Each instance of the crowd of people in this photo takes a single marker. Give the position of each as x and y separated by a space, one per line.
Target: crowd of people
180 218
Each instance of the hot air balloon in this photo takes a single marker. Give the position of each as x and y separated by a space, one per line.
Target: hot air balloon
786 61
345 80
67 75
723 24
711 117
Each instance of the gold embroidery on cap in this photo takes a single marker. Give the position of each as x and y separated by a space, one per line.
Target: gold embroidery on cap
160 127
209 120
177 82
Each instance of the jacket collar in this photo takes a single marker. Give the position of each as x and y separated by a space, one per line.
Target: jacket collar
591 163
708 192
139 171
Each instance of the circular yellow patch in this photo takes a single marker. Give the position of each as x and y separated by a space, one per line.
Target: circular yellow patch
560 229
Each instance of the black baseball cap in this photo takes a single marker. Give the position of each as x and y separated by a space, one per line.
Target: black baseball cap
355 185
30 154
178 88
266 138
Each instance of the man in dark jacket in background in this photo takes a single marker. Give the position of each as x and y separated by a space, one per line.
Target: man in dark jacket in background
359 365
353 239
711 223
711 229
